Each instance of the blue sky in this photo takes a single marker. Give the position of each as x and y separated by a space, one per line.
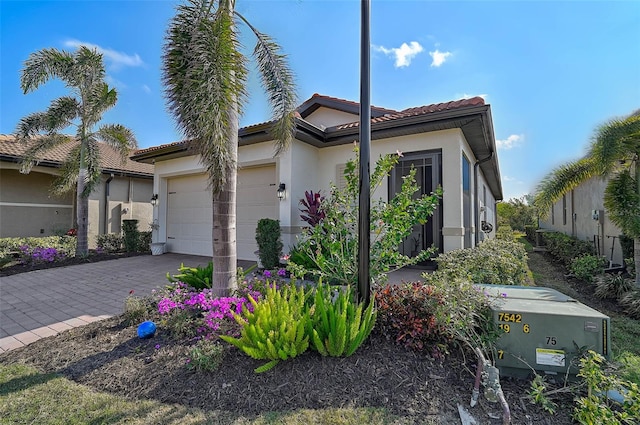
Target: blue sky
552 71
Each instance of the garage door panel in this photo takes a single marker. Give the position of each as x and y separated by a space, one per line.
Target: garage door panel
189 215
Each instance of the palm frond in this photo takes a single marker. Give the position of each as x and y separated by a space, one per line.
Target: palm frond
67 180
37 147
43 65
118 137
88 69
622 201
615 141
204 75
279 83
560 181
101 99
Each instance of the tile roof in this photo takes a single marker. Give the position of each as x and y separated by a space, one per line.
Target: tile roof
384 115
316 97
109 157
421 110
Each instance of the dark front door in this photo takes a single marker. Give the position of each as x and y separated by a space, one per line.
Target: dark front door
428 177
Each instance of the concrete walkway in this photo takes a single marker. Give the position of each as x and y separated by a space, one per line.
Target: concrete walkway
46 302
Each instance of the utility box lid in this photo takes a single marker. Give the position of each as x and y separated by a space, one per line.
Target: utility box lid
544 329
534 299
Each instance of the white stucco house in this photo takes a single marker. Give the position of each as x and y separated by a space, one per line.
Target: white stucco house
450 144
581 213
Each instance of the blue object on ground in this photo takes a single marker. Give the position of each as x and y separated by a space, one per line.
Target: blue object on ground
146 329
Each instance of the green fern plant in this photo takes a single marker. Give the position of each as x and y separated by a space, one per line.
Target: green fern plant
196 277
339 326
276 329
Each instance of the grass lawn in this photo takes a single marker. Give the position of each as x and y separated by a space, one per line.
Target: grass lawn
29 397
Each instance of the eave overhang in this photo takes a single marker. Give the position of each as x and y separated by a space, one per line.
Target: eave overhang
475 122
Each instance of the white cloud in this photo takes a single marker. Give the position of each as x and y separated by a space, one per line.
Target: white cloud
146 89
512 141
439 57
114 58
403 54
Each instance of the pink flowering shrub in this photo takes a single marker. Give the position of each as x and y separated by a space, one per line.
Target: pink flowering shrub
206 311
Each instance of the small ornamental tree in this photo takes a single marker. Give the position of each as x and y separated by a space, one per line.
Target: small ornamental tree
332 244
312 211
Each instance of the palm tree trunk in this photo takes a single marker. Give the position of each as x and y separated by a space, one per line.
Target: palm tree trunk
82 214
225 258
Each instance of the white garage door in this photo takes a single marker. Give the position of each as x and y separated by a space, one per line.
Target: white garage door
189 215
256 199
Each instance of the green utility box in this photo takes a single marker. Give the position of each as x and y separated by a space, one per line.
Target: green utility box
544 328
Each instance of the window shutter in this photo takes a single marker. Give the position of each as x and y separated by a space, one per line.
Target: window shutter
341 182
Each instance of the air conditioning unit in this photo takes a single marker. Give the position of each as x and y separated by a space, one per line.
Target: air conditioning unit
545 330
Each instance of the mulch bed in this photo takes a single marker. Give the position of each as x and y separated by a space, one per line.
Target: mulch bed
108 356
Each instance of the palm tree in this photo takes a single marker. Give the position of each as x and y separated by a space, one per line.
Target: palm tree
614 154
205 80
83 73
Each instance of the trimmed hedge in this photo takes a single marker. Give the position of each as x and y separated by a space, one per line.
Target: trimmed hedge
494 261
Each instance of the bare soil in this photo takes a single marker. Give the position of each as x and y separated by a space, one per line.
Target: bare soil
108 356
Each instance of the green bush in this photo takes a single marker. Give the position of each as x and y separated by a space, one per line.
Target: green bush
516 213
131 235
531 233
494 261
564 248
434 314
332 245
505 233
631 266
277 329
144 242
596 407
269 242
196 277
587 267
109 242
339 325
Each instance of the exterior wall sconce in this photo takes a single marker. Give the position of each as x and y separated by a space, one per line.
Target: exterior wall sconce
281 191
154 199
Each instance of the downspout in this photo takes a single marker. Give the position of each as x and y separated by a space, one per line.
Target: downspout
106 204
476 197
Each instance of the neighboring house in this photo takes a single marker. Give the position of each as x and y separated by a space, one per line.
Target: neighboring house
450 144
581 213
27 208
